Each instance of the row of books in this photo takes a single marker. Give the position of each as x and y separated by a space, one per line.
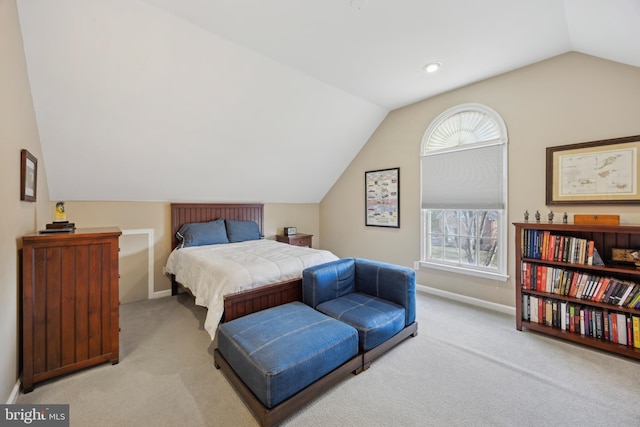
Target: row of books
621 328
580 284
541 244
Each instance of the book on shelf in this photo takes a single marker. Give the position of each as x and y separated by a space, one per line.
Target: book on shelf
622 328
533 307
635 325
558 248
572 317
599 324
548 312
563 315
613 327
590 249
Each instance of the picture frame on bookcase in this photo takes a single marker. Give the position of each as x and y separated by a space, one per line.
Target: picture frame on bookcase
595 172
28 176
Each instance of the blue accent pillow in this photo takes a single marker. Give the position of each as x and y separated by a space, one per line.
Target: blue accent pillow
241 231
202 233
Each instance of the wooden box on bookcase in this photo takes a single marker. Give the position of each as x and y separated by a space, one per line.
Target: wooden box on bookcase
563 290
597 219
70 302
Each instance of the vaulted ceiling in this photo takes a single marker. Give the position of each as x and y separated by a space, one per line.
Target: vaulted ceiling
250 100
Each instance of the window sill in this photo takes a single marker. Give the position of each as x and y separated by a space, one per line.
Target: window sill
467 271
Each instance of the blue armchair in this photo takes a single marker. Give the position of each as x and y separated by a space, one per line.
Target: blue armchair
376 298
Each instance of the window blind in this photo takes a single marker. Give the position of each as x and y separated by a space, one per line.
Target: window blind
464 179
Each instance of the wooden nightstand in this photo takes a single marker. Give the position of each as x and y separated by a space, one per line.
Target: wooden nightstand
296 239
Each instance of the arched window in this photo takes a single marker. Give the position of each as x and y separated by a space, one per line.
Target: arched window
464 192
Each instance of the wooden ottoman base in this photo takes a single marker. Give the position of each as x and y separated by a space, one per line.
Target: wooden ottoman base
270 417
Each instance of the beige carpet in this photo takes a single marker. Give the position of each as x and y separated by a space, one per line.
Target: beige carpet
466 367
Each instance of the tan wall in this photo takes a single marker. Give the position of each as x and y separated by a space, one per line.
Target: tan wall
17 131
568 99
304 216
155 216
133 250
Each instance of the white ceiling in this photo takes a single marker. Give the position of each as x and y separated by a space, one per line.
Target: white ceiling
249 100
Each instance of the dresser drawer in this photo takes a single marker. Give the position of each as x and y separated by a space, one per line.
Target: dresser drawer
300 241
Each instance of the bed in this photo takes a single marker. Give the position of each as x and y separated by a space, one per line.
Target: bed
241 277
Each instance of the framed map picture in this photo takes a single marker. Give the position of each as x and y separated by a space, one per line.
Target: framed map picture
595 172
382 198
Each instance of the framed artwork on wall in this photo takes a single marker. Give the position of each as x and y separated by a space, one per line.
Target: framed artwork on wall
382 198
28 176
596 172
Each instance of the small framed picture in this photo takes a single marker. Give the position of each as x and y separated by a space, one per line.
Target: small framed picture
382 198
28 176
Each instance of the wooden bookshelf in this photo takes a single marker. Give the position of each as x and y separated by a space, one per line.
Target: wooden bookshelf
533 252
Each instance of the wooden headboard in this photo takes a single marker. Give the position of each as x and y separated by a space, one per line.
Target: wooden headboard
183 213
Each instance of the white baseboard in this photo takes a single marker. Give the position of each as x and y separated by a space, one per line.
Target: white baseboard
13 397
467 300
162 294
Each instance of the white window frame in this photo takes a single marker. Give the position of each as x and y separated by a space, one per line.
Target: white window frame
500 272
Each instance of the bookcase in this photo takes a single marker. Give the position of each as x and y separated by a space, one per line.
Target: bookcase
563 290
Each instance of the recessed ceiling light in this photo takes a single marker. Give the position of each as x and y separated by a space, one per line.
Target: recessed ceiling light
432 68
359 4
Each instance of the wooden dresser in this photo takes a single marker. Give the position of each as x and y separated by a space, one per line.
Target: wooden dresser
70 302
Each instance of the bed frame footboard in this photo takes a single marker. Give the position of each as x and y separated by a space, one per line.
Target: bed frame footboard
252 300
247 302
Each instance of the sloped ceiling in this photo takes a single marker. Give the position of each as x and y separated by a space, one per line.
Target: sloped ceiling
249 100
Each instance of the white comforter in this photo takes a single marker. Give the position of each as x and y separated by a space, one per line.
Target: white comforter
212 271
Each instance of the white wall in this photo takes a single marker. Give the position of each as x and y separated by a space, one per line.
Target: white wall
140 94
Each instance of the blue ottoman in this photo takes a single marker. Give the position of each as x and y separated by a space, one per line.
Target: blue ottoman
282 350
